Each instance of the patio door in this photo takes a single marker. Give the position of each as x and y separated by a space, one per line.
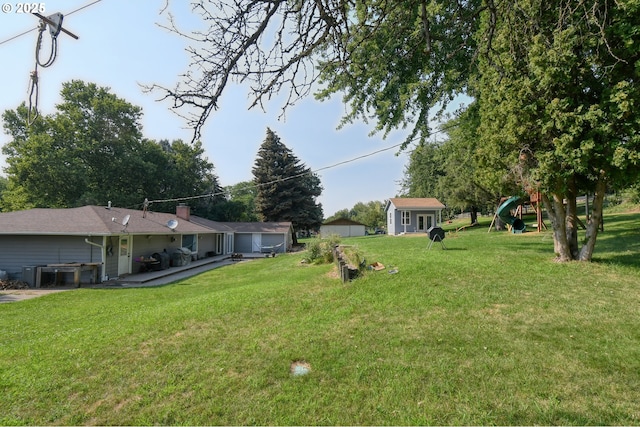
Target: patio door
124 256
219 244
425 222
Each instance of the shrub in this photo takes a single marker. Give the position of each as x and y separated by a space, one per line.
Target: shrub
353 256
321 250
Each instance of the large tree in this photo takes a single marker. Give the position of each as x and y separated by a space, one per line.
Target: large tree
91 151
189 177
238 205
286 188
559 101
556 81
452 170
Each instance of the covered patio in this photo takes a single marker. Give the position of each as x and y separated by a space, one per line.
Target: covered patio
172 274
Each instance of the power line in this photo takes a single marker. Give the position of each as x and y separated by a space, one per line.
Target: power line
19 35
212 194
35 28
222 193
300 175
83 7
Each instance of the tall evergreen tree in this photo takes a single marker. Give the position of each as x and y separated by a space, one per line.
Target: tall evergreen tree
286 188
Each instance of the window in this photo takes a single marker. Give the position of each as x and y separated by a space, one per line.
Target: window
406 218
190 241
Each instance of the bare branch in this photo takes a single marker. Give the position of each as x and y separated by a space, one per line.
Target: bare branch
270 44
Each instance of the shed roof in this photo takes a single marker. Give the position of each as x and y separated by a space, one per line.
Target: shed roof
416 203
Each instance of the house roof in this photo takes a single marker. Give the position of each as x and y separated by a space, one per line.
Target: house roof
260 227
214 225
416 203
104 221
93 220
343 221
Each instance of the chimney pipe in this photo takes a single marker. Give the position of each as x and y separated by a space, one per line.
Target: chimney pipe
183 211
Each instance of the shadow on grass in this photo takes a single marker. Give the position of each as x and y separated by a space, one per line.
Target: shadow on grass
619 243
448 249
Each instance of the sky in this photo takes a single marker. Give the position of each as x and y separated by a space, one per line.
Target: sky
122 46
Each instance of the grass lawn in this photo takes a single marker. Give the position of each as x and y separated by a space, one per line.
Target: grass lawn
489 331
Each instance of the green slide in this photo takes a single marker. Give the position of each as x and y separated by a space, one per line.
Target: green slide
504 212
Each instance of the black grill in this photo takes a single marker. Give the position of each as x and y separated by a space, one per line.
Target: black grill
436 234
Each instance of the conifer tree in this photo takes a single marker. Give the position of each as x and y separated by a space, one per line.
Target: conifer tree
286 188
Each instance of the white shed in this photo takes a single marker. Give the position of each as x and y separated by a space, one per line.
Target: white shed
343 227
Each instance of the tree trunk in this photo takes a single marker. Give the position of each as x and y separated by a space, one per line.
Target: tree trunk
564 222
593 225
558 218
474 215
572 220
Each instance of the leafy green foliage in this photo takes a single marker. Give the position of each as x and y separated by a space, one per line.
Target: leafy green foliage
400 59
91 151
239 205
370 214
556 103
320 251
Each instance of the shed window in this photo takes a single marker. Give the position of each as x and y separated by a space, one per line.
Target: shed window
406 218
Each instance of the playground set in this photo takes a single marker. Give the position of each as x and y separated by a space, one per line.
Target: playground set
514 220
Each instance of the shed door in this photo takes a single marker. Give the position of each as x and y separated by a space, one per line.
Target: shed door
257 242
425 222
124 256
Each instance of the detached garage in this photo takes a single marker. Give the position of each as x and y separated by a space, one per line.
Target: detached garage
343 227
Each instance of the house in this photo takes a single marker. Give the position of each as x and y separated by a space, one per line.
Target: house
343 227
97 243
412 215
262 237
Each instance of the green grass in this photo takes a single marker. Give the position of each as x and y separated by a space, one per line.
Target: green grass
490 331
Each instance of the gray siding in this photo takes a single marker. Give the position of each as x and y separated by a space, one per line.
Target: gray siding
19 251
273 240
396 227
206 244
242 243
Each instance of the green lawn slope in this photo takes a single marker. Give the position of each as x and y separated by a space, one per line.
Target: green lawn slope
489 331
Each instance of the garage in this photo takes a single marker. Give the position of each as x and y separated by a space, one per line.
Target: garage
343 227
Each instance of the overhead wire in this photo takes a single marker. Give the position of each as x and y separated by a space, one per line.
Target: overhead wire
147 202
33 83
35 28
33 77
